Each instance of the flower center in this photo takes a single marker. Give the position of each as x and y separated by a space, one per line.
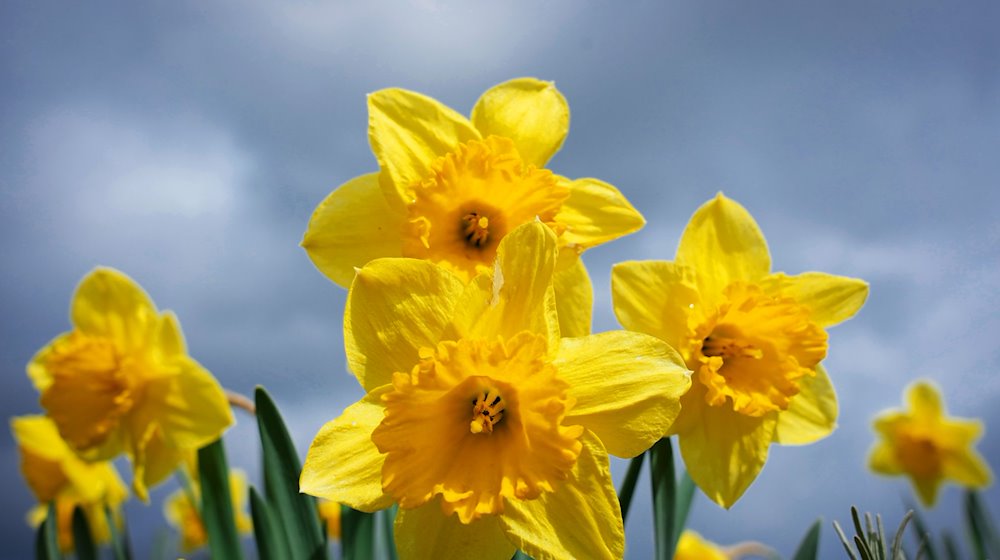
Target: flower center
753 350
471 199
498 405
475 229
90 389
487 411
919 455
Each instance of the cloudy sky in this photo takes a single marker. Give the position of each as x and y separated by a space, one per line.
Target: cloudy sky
187 143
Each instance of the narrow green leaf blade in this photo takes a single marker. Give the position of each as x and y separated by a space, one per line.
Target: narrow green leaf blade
809 547
270 537
628 485
388 532
217 503
661 462
682 506
923 534
83 541
296 512
357 534
950 547
982 526
119 537
52 533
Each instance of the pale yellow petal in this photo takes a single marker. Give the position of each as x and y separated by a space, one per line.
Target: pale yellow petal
159 461
725 451
425 532
925 402
394 308
170 341
830 299
966 467
519 296
812 414
596 213
580 519
882 459
408 131
109 304
627 387
574 295
530 112
352 226
722 243
342 464
189 406
654 297
39 434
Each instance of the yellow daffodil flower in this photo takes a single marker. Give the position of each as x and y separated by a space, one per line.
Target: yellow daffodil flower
928 446
450 188
121 381
754 339
329 512
488 429
185 516
692 546
55 474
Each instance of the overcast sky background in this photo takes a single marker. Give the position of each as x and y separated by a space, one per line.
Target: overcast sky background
187 143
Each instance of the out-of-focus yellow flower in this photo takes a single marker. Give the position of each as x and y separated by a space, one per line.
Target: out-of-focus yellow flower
692 546
121 381
54 473
928 446
185 516
487 428
329 512
754 339
450 188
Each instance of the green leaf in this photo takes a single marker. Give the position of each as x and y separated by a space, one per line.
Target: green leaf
119 537
950 547
844 541
809 547
47 538
682 506
83 541
388 539
520 556
628 485
986 541
270 537
661 463
217 503
923 535
357 534
296 512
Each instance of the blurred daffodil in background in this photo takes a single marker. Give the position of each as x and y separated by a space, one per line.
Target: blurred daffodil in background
122 381
329 512
449 189
182 510
929 447
488 429
692 546
55 474
753 338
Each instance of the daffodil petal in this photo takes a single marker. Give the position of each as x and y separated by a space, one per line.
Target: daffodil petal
925 400
426 532
171 339
596 213
722 243
38 371
627 387
408 131
109 304
574 295
342 464
189 406
352 226
519 296
883 460
530 112
831 299
812 414
162 460
927 489
725 451
967 468
580 519
654 297
395 307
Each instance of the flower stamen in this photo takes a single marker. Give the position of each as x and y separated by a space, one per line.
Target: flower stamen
475 229
487 411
